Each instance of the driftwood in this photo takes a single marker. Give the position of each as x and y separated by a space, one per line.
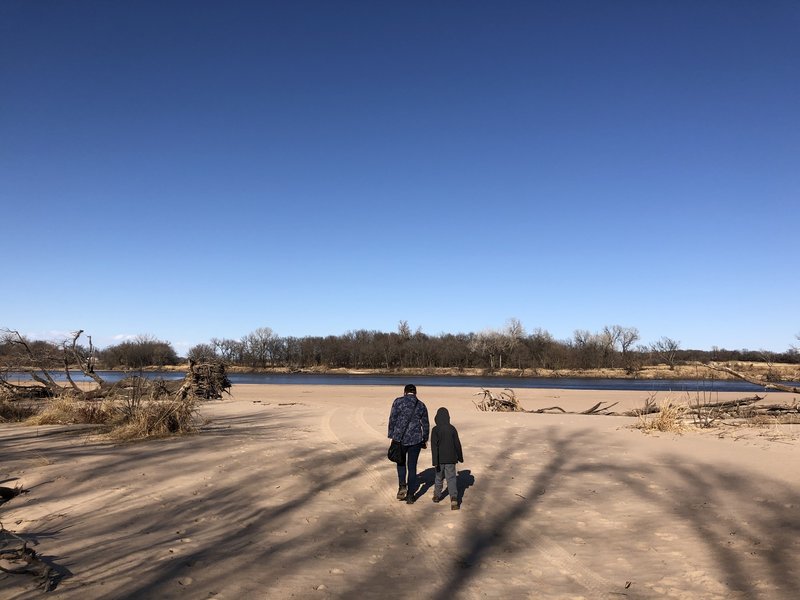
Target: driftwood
7 493
17 559
597 409
772 385
203 381
206 381
703 413
731 404
506 401
42 366
15 556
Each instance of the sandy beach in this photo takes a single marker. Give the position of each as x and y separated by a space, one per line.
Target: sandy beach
286 493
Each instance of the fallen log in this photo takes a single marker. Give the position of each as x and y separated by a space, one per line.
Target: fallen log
21 560
733 403
599 409
766 384
7 493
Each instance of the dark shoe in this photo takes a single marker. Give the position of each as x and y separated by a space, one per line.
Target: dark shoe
454 504
410 499
437 497
402 492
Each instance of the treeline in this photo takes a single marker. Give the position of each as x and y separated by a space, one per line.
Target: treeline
614 346
140 352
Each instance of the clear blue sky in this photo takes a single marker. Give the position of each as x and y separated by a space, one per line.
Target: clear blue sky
200 169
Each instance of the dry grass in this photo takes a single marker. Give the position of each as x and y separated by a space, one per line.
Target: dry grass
703 414
669 418
765 420
72 410
16 411
158 418
125 417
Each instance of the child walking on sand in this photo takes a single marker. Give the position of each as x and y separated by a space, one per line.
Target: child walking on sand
446 452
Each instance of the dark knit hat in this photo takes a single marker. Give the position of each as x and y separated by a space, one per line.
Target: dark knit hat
410 389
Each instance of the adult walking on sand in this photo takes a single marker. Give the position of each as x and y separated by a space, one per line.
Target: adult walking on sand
408 424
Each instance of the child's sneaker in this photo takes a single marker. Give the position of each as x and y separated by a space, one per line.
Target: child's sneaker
454 504
402 492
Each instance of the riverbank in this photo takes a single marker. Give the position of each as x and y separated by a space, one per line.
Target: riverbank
286 492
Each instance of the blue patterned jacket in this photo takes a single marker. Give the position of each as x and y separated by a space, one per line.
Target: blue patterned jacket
403 412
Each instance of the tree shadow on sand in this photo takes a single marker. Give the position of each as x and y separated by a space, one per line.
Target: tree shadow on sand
327 506
570 478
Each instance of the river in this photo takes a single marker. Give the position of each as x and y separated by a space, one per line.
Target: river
568 383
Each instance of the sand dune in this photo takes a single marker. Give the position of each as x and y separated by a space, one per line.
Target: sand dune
287 493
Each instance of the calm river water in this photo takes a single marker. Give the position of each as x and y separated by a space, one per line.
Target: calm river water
654 385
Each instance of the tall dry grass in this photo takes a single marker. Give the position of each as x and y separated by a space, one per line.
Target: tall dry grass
158 418
668 418
16 411
141 412
69 409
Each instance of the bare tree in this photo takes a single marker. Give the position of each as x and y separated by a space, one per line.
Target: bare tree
230 351
514 333
666 349
590 348
490 343
260 346
625 338
628 337
404 330
608 340
202 353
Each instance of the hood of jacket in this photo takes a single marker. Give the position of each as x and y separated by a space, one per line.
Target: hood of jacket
442 418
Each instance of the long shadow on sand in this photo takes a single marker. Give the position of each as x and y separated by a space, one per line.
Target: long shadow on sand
427 480
696 502
244 525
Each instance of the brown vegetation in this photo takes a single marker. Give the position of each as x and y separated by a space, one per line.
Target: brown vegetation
134 407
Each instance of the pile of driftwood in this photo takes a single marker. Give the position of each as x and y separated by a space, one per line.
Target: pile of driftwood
701 411
706 413
507 401
206 381
15 556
